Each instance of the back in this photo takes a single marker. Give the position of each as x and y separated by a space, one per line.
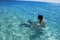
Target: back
37 24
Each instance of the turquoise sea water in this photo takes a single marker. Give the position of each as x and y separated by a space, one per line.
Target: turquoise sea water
12 14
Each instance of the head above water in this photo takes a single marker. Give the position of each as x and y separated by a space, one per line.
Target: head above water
40 18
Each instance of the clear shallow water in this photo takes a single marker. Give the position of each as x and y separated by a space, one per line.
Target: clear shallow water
12 14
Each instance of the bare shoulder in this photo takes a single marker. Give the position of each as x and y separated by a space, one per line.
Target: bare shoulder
43 21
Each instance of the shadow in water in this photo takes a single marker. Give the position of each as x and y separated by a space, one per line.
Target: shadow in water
28 24
38 32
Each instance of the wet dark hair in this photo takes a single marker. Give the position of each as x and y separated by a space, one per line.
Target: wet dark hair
40 17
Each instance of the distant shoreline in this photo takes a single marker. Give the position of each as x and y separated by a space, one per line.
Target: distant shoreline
8 3
4 2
